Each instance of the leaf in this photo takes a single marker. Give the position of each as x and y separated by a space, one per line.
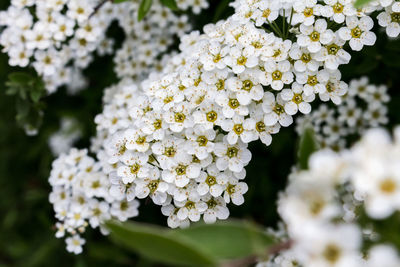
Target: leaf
171 4
144 8
360 3
308 145
20 77
228 240
153 243
119 1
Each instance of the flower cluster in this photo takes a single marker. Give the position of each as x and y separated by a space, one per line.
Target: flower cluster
180 136
58 38
322 220
363 107
81 198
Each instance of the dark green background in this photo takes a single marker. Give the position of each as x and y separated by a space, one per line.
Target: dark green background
26 217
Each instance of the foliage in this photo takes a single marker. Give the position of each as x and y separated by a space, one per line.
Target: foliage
26 234
200 245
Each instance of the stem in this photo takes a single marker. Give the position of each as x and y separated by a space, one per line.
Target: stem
290 22
284 24
96 8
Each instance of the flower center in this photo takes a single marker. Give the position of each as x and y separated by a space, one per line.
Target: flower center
395 16
135 168
232 152
278 109
308 12
153 185
190 205
211 203
217 58
388 186
356 32
338 8
247 85
241 60
169 151
297 98
332 49
211 180
330 87
179 117
266 13
230 189
276 75
220 85
312 80
305 58
157 124
314 36
260 126
202 140
331 253
233 103
211 116
140 140
238 129
181 169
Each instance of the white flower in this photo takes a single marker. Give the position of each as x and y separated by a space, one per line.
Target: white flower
216 209
123 210
190 210
314 35
333 54
246 86
304 60
200 142
357 32
135 166
240 59
275 110
182 172
296 100
329 245
239 127
213 181
390 19
234 191
383 255
214 58
277 74
338 10
314 82
305 12
74 244
232 157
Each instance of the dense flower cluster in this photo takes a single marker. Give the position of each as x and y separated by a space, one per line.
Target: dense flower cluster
180 136
363 107
81 198
321 220
58 38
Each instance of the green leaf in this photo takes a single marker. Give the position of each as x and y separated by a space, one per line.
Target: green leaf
154 243
144 8
171 4
228 240
20 77
360 3
119 1
308 145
